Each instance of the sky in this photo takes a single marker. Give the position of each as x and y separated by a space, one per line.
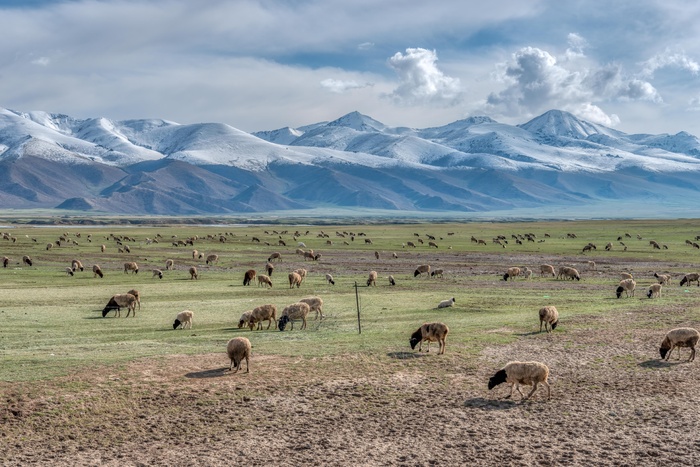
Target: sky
632 65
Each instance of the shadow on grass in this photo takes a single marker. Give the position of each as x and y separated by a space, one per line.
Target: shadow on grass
491 404
214 373
405 355
661 363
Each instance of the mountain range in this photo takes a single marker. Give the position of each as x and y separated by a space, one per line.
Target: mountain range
159 167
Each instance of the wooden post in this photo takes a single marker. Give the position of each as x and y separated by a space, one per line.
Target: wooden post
357 301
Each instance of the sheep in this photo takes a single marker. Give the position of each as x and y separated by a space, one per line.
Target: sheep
546 269
376 255
664 279
249 276
679 337
5 261
27 260
372 279
263 313
517 373
195 253
549 315
69 271
294 279
422 269
687 279
131 266
315 304
264 280
437 273
432 245
511 273
237 349
446 303
330 280
627 286
169 264
309 255
430 332
103 248
184 319
276 256
97 271
570 273
117 302
411 244
292 312
193 273
157 272
654 291
589 247
269 267
391 280
626 275
49 246
246 320
591 265
211 259
655 245
609 246
394 255
75 265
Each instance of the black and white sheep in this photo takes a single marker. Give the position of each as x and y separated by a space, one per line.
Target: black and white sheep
549 315
5 261
679 337
627 286
238 349
517 373
295 311
446 303
430 332
76 265
330 280
654 291
511 273
117 302
157 272
27 260
169 264
391 280
422 269
664 279
184 319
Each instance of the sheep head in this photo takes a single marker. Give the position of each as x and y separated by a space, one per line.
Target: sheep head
415 338
176 324
498 378
619 291
111 305
555 324
505 277
649 293
282 323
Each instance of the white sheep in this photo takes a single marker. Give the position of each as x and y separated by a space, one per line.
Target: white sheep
157 272
193 273
546 269
626 275
330 280
184 319
627 286
679 337
430 332
315 304
372 279
654 291
69 271
293 312
245 319
517 373
664 279
237 349
549 315
527 273
446 303
169 264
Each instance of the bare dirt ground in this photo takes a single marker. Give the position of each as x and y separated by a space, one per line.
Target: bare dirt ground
613 403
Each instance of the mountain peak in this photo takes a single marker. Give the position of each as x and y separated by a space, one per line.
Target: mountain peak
359 122
563 124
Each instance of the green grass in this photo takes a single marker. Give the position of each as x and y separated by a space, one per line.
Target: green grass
51 325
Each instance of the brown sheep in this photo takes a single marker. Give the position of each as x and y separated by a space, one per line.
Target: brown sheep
249 276
117 302
293 312
687 279
430 332
131 266
263 313
549 315
422 269
193 273
264 280
97 271
372 279
517 373
679 337
294 279
237 349
546 269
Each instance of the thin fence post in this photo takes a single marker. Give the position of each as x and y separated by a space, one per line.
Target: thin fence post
357 301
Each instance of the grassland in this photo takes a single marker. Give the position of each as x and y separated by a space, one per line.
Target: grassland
56 346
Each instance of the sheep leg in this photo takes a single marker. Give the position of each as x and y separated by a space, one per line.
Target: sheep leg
692 354
303 326
534 388
512 385
247 364
442 347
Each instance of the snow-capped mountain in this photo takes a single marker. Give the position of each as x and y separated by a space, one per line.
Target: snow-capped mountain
476 164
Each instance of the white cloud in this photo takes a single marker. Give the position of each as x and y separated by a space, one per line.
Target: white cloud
42 61
340 86
577 44
420 80
669 59
366 46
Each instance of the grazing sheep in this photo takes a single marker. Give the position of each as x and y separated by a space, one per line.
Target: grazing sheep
184 319
249 276
276 256
169 264
315 304
269 268
263 279
626 275
293 312
687 279
432 245
27 260
49 246
117 302
330 280
627 286
591 265
679 337
609 246
411 244
655 245
211 259
5 261
511 273
263 313
517 373
391 280
309 255
566 272
430 332
136 294
131 266
654 291
193 273
437 273
294 279
549 315
195 253
589 247
237 349
376 255
69 271
422 269
372 279
246 320
75 265
446 303
157 272
664 279
103 248
97 271
547 269
527 273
